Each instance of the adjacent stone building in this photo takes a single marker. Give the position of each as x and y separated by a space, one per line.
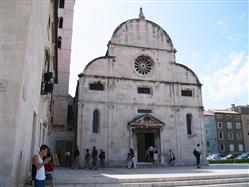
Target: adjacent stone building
244 114
63 133
211 132
229 131
137 95
28 72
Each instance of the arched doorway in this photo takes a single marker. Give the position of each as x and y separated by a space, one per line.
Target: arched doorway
145 132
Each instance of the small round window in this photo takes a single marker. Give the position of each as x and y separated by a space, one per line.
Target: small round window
143 65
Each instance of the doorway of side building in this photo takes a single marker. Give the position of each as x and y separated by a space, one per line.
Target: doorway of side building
144 141
64 152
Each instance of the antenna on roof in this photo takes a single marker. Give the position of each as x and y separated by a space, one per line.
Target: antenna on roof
141 14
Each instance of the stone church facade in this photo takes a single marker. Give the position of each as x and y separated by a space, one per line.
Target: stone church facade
137 95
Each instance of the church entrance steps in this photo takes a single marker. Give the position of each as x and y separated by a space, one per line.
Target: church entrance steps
209 176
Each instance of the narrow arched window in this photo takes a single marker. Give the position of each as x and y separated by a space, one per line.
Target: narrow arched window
60 22
59 42
189 124
96 120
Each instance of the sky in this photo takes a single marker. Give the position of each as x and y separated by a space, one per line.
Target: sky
211 38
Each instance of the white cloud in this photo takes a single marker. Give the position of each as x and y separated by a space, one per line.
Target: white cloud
243 16
221 22
228 83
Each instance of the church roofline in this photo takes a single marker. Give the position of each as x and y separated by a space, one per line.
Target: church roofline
101 57
139 19
191 71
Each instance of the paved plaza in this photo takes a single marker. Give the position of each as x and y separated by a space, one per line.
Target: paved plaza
155 176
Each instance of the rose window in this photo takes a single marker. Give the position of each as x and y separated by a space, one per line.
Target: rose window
143 65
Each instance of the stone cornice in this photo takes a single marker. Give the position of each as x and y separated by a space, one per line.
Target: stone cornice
131 79
142 105
140 47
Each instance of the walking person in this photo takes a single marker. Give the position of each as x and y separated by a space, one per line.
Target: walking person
131 159
87 160
102 158
76 161
39 173
171 158
94 157
197 154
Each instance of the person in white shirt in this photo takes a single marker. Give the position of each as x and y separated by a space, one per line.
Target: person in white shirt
38 170
156 157
197 154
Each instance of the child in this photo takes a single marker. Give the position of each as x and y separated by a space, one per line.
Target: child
155 157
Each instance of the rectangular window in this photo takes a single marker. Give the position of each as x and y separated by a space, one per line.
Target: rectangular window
186 93
143 90
231 147
207 131
238 126
219 125
239 136
221 135
96 86
229 125
61 3
229 117
69 113
230 135
222 147
237 117
208 144
219 116
145 111
241 147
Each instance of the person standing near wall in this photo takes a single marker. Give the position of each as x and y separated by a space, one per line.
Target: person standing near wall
102 158
171 158
94 157
76 161
197 154
39 173
87 160
131 159
49 170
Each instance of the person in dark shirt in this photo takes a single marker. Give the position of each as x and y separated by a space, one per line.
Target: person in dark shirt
87 159
76 161
94 157
102 158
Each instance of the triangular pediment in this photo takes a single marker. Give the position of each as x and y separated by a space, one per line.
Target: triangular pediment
146 121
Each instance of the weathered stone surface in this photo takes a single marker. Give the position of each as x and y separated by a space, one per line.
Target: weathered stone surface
119 102
24 112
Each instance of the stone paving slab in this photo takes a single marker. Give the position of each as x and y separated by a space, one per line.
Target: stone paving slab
114 175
